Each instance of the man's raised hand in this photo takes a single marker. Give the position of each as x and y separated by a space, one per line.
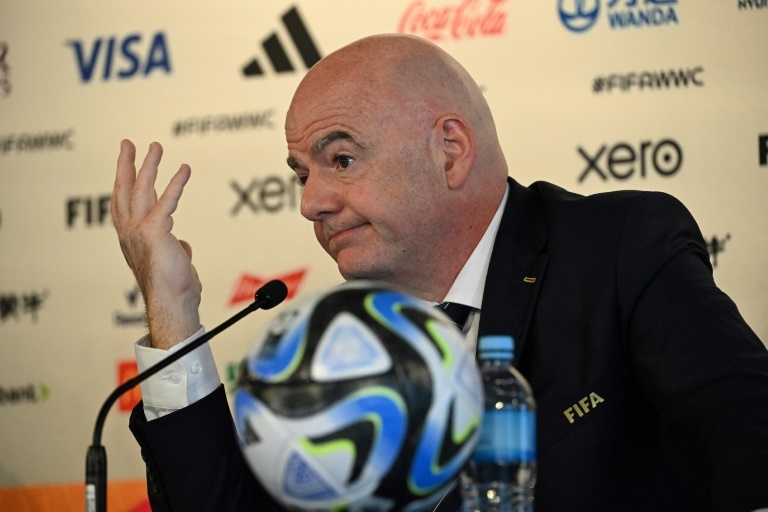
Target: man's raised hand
161 263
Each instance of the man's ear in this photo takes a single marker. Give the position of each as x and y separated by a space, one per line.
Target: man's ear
457 148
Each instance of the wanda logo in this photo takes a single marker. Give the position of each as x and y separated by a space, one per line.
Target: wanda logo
465 20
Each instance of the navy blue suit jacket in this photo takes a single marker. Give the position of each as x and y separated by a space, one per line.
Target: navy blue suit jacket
652 391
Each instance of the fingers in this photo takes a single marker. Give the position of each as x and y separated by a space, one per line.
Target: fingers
124 180
187 248
135 205
169 200
144 196
134 197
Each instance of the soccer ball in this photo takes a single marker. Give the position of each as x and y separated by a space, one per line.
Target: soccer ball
358 398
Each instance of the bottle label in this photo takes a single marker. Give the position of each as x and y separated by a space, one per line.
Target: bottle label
507 436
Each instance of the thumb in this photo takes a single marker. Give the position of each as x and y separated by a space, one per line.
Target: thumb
187 248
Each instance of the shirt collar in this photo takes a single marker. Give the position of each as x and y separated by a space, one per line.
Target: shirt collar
469 284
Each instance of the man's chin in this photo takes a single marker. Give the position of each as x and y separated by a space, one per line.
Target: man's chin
354 275
354 271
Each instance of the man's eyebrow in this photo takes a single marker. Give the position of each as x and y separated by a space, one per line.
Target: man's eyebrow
320 144
292 162
333 136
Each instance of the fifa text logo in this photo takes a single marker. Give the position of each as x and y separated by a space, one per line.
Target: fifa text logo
90 210
649 80
753 4
582 406
34 142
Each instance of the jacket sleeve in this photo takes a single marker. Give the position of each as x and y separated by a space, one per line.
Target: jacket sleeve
698 362
194 460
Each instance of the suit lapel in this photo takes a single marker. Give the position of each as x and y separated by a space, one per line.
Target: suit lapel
516 269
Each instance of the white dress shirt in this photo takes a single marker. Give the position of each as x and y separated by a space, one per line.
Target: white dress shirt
194 376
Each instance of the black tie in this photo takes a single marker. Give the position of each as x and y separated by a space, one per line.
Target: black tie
458 313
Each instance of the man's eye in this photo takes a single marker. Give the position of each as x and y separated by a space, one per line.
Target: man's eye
344 161
302 179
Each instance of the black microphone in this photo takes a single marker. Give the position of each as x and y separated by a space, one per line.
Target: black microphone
266 297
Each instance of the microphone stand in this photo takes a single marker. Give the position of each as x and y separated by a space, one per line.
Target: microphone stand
267 297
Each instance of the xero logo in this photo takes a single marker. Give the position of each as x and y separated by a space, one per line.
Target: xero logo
622 160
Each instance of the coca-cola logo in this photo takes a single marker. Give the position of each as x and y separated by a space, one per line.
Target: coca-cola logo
467 20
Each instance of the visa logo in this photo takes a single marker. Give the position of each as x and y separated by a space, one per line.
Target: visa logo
121 58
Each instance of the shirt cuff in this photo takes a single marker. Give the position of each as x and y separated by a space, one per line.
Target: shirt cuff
181 383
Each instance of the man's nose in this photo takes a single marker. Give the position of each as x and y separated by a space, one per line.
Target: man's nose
319 198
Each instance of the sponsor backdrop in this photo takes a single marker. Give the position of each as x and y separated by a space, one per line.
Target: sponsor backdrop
593 95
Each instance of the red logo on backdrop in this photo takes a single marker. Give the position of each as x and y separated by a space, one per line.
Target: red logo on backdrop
142 507
246 287
468 19
127 370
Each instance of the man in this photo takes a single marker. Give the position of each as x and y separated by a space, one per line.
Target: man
652 391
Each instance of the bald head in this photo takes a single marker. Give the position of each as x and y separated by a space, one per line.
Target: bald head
411 76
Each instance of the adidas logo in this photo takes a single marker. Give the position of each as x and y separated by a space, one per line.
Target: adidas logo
276 53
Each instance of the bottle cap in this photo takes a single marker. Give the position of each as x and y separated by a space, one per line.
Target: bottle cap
496 347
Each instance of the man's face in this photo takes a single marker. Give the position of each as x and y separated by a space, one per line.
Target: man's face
373 187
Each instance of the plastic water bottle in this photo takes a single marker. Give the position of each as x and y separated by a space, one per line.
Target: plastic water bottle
501 474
